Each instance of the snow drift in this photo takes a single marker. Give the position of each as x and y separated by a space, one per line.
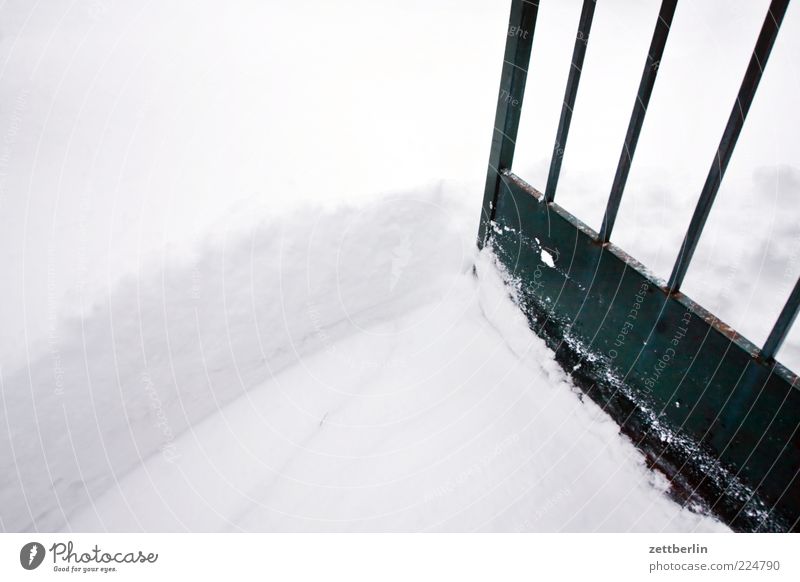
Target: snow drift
332 370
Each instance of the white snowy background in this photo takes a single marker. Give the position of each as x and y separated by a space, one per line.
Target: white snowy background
236 246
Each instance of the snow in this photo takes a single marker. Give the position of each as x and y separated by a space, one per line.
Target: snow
547 259
299 377
216 316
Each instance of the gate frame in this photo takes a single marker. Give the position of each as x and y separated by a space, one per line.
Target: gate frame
717 415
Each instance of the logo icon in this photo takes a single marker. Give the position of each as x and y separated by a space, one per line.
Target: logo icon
31 555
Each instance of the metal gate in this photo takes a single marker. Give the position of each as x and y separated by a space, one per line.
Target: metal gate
713 411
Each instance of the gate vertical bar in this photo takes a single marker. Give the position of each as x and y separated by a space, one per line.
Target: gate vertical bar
651 66
747 91
783 324
519 40
571 92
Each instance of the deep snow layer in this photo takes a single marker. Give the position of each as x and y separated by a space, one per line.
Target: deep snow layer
129 126
334 370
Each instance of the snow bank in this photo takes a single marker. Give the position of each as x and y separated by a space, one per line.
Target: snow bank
333 370
173 345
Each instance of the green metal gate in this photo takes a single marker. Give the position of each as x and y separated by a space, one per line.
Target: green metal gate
713 411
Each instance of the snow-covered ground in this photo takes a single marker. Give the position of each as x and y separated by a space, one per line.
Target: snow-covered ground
216 314
336 370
